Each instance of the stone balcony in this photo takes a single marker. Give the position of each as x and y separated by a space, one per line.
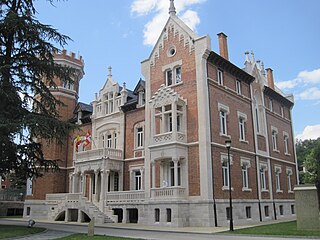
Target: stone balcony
169 193
169 137
125 197
99 154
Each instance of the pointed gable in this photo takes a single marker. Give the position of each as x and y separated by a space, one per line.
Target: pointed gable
164 96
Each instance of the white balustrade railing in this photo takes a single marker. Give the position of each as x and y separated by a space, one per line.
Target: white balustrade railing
64 196
168 193
125 197
98 154
169 137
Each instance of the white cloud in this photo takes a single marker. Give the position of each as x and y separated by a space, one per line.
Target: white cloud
288 84
160 9
310 94
304 77
309 132
312 77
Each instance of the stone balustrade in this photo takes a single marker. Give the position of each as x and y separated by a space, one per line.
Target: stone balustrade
169 137
168 193
125 197
99 153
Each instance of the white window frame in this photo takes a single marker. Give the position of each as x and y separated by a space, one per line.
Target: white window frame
245 165
109 140
141 98
242 119
274 139
139 135
278 178
225 171
286 143
173 68
289 182
271 105
223 115
238 87
263 177
220 77
137 180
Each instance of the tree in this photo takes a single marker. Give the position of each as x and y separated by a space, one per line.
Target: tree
308 153
28 109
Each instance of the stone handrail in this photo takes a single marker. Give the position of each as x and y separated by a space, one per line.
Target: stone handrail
125 196
169 137
168 193
99 153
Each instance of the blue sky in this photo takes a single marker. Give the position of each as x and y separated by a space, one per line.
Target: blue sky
284 34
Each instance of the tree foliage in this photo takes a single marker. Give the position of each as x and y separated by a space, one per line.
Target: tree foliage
308 154
28 109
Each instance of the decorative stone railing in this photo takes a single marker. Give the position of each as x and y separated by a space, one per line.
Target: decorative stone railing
125 197
98 154
168 193
64 196
169 137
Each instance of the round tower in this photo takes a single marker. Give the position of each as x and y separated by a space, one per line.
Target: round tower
67 93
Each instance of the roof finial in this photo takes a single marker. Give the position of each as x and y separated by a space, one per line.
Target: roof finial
172 9
110 72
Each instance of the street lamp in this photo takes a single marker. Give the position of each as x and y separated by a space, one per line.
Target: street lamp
228 146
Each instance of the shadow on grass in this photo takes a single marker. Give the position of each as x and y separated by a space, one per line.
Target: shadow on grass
10 231
96 237
280 229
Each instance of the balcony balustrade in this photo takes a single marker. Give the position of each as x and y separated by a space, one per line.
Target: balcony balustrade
169 137
98 154
125 197
168 193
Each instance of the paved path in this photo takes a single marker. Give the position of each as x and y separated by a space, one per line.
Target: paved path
48 234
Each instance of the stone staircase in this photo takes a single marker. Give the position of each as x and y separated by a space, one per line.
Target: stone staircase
77 201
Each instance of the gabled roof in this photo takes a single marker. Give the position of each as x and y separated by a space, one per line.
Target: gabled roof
83 107
140 85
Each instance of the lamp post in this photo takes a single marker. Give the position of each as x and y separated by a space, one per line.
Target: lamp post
228 146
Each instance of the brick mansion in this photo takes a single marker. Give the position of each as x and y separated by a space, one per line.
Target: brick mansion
156 155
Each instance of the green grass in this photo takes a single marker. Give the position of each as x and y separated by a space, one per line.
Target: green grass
283 229
96 237
9 231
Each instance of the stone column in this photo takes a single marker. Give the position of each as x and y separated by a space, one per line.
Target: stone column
174 120
71 181
66 216
131 180
163 121
79 216
124 217
142 178
153 166
102 189
175 165
84 183
96 175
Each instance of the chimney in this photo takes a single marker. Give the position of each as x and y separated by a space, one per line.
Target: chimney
223 46
270 78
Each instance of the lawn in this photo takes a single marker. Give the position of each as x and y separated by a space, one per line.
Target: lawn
283 229
96 237
9 231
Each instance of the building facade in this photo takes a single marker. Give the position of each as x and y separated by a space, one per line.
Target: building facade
157 156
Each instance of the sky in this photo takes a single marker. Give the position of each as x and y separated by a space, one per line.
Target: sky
284 34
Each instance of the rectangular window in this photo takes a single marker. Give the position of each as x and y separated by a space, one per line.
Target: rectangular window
257 119
137 180
139 137
228 213
292 209
220 77
225 174
223 122
242 129
109 141
115 140
282 112
248 212
178 74
270 105
289 181
245 182
274 140
238 87
169 77
168 214
285 140
263 179
157 215
281 210
266 211
278 187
